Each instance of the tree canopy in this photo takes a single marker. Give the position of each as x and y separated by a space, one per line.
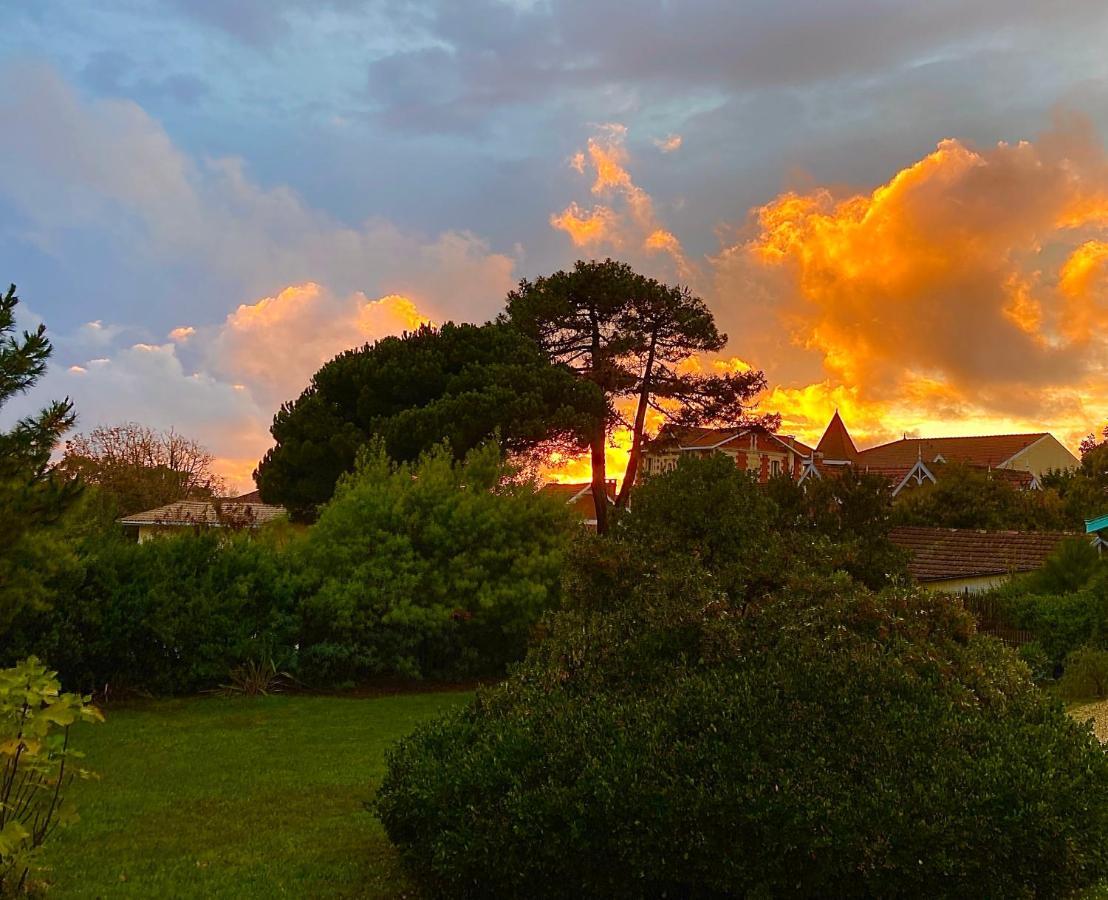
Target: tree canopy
33 497
629 335
458 383
140 468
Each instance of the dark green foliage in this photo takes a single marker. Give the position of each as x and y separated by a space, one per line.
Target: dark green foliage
171 615
714 714
1086 675
1064 605
821 741
966 497
853 512
437 568
33 499
458 383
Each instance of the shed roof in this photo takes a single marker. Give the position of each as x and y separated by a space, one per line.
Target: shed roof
943 554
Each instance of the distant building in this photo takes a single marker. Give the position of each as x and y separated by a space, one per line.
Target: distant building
578 496
966 561
1021 459
245 511
753 448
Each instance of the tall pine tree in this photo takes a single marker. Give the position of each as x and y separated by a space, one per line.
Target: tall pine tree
33 498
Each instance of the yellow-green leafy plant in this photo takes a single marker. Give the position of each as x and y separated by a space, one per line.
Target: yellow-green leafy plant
37 763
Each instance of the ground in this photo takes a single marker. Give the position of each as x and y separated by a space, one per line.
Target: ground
1098 712
236 798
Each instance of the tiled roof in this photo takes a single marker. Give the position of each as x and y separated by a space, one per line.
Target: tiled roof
941 554
579 495
988 450
203 512
701 438
836 442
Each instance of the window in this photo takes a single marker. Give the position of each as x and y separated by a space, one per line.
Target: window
775 467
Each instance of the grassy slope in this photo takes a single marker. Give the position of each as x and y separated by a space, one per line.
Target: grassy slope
236 798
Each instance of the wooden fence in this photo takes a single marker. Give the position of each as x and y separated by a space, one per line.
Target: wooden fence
986 610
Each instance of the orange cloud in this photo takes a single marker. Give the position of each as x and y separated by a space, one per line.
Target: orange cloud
968 291
628 217
182 334
275 344
669 144
587 227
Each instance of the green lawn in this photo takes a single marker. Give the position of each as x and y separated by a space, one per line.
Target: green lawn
236 798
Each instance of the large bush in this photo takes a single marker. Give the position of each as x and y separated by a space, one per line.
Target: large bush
167 616
709 733
435 568
1064 605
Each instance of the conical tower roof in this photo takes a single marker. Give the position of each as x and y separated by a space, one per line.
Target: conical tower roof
836 443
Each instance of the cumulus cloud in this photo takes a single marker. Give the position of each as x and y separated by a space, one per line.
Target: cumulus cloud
107 165
635 223
275 344
972 285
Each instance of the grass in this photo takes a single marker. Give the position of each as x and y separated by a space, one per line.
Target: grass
236 798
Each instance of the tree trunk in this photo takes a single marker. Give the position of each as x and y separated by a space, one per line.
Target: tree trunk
640 422
600 479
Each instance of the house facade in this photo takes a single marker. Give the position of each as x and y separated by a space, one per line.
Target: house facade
754 449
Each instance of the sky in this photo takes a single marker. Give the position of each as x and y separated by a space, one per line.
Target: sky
896 209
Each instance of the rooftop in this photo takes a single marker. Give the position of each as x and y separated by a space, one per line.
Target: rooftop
942 554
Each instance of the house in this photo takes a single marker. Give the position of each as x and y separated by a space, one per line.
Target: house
245 511
1098 527
1021 459
578 496
753 448
967 561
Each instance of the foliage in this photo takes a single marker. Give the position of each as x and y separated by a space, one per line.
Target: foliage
628 335
459 383
256 678
140 468
166 616
969 497
33 498
820 741
1084 491
432 568
1064 605
854 512
1037 661
36 764
1086 674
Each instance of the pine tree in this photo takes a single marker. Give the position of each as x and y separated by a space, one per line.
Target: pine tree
33 498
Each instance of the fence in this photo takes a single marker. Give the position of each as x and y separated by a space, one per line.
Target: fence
986 610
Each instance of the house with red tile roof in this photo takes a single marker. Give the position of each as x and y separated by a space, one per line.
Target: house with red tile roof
753 448
1021 459
967 561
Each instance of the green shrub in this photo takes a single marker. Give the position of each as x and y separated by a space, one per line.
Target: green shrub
36 764
437 568
168 616
704 732
1037 661
1086 675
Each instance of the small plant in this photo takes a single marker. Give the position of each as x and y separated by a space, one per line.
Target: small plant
1086 675
1038 661
256 679
35 763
